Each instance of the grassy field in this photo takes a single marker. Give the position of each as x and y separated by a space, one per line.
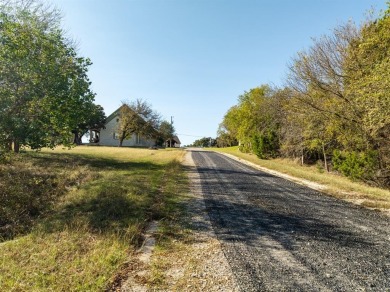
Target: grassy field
336 185
70 219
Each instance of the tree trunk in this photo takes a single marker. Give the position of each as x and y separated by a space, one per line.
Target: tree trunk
16 146
76 139
325 160
122 138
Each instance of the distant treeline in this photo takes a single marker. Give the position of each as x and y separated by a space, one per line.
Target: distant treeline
335 107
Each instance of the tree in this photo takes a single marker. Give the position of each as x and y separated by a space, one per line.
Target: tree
167 131
225 138
306 133
368 65
205 142
44 86
342 84
318 76
256 118
93 118
137 117
231 122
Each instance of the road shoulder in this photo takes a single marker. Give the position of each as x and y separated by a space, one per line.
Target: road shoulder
201 266
348 197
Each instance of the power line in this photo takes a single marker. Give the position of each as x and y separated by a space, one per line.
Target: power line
190 135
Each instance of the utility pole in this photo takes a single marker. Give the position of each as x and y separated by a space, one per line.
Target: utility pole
170 140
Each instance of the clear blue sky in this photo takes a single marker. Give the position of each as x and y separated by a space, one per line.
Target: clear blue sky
191 59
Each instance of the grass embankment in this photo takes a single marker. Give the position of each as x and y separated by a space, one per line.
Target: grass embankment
335 185
69 220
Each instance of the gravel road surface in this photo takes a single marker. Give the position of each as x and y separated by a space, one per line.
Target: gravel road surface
280 236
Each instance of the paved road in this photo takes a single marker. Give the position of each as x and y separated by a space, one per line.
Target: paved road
280 236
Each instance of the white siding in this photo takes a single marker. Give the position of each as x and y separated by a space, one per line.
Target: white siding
107 136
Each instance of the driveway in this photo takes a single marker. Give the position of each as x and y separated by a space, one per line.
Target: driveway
280 236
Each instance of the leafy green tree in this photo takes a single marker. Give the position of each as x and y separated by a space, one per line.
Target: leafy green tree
368 65
331 116
93 118
266 144
205 142
307 133
231 122
166 131
257 114
44 82
318 78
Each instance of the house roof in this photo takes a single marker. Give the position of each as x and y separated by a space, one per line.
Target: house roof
114 114
176 139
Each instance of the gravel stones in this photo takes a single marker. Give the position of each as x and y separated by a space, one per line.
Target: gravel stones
280 236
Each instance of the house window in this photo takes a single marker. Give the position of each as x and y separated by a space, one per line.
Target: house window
137 139
117 120
116 136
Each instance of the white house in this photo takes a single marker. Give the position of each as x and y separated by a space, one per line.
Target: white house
110 137
174 142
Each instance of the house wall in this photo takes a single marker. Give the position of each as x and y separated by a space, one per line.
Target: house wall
107 136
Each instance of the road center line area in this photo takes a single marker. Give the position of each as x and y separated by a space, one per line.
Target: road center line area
280 236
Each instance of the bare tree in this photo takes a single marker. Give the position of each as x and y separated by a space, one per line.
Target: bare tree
319 74
46 13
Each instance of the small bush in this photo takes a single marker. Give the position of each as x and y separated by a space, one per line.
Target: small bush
245 148
320 166
266 145
356 165
5 156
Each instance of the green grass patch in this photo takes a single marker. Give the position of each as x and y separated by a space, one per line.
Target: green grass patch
336 185
71 218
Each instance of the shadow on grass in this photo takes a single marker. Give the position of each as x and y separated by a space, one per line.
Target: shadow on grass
104 213
99 163
111 197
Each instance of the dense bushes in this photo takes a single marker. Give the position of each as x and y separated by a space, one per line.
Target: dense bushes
356 165
266 145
